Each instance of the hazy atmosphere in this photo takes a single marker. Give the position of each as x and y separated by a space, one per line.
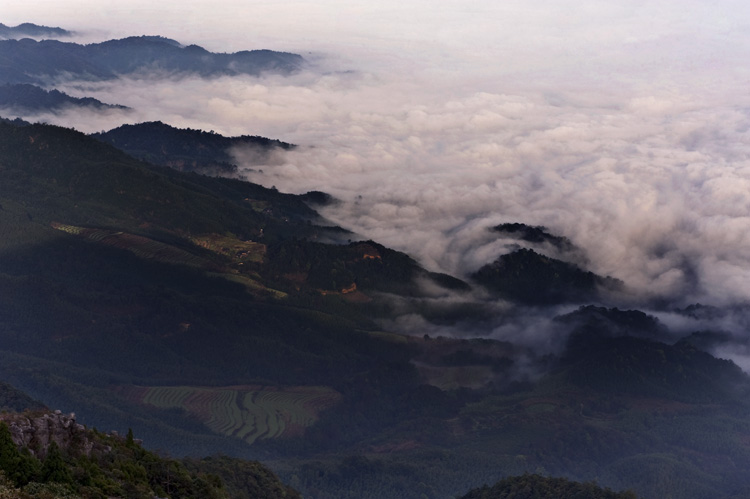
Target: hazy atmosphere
357 250
623 126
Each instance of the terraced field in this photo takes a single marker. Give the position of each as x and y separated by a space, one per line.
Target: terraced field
239 251
254 286
142 247
245 412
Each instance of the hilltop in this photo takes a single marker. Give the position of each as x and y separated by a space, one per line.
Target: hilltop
32 30
189 150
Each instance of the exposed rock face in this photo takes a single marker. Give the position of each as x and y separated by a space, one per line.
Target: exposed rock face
38 430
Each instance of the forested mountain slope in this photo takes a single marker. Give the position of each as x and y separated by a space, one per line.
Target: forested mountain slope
186 149
50 455
211 314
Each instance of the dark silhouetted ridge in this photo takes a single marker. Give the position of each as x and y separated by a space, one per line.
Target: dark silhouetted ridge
531 278
24 97
188 149
29 61
32 30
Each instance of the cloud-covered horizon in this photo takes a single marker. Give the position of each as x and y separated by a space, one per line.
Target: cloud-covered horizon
623 127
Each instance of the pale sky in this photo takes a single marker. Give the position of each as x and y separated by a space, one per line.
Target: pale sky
543 31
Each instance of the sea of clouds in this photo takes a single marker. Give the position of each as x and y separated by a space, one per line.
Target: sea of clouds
624 127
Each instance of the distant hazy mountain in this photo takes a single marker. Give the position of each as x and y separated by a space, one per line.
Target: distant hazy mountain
24 97
32 30
12 399
29 61
187 149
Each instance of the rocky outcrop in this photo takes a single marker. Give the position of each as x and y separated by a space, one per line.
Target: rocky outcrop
38 430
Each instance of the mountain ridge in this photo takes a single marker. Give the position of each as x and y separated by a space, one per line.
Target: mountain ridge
42 62
24 97
188 149
34 30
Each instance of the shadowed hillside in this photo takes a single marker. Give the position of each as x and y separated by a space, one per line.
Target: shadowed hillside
21 98
531 278
211 314
189 150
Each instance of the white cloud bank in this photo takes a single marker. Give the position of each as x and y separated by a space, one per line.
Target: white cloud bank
624 126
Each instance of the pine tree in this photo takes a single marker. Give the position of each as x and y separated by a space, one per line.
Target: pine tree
54 468
19 468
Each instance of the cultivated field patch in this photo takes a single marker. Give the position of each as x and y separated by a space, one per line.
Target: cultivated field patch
142 247
247 412
238 250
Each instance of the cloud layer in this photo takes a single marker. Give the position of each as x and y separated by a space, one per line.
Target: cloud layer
621 126
652 184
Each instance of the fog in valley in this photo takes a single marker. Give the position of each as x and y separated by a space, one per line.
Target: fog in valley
624 127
